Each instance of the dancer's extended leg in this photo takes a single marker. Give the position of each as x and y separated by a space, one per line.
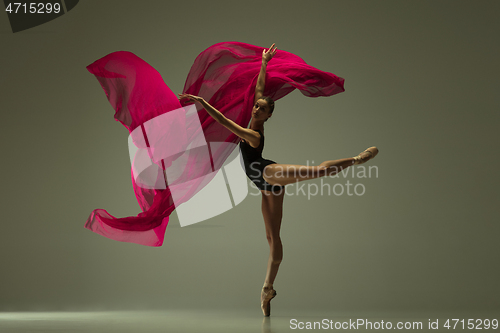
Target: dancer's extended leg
283 174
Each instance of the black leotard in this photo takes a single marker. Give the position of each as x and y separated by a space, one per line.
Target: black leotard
254 165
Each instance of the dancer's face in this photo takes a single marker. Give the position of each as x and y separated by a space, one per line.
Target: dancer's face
260 110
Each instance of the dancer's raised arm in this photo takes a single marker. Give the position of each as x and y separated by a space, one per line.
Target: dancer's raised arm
251 136
261 80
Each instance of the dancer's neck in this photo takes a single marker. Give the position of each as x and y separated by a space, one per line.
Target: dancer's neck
257 125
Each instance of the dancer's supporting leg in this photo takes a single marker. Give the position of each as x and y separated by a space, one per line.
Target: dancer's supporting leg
283 174
272 211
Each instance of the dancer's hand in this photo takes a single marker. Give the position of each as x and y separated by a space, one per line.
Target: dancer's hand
192 98
269 54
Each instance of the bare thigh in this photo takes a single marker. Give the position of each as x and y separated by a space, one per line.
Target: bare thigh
272 211
282 174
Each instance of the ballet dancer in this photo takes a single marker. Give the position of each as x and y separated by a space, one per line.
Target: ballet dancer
269 176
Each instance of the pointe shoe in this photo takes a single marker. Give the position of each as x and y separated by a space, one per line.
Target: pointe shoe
265 300
366 155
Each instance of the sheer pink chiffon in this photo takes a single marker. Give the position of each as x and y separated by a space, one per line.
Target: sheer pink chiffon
225 75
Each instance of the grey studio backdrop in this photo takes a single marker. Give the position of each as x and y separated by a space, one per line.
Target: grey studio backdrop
421 84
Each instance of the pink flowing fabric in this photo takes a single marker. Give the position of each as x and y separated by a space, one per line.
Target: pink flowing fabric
225 75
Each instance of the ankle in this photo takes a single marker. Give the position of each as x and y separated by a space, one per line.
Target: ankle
267 286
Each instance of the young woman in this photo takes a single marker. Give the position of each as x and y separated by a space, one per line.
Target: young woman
269 176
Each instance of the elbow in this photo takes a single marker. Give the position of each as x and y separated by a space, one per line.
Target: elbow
221 120
258 93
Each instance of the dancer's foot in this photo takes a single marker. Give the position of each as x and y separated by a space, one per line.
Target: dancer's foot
366 155
266 296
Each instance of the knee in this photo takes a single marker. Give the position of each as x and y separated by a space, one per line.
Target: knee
324 169
269 239
273 239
